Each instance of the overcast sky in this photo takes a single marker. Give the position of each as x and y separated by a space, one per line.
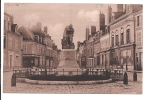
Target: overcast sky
57 16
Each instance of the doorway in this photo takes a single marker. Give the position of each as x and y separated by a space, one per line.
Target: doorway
141 57
10 61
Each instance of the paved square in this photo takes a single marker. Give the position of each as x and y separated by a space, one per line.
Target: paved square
107 88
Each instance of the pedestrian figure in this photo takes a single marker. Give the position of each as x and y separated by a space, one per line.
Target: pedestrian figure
135 76
13 80
125 79
87 71
107 74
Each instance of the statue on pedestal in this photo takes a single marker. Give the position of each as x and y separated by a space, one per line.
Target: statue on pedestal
67 41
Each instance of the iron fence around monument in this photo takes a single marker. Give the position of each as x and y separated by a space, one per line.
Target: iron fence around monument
25 72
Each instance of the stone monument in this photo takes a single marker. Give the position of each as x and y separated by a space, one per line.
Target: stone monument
68 54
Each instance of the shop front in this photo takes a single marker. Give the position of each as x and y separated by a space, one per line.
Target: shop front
30 61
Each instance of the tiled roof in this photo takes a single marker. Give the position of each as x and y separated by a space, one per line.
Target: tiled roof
26 33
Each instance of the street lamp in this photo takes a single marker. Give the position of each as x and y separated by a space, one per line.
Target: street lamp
105 60
118 62
45 67
126 60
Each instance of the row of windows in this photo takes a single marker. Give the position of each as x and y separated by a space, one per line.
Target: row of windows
90 62
12 43
39 39
121 42
97 61
14 61
42 40
39 50
7 25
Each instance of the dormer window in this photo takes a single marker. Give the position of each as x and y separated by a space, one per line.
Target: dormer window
8 26
36 38
16 29
40 39
106 30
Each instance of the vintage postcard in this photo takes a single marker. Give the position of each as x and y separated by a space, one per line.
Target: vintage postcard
73 48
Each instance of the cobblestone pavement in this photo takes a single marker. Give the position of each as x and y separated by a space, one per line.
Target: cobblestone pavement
107 88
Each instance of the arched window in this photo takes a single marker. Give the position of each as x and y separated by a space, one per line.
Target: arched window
116 38
4 41
102 60
128 35
112 40
122 36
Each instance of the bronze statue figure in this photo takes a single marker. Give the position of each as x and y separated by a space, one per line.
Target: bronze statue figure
67 41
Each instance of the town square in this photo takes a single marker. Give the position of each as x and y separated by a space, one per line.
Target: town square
73 48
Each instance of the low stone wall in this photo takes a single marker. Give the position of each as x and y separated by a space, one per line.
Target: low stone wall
63 82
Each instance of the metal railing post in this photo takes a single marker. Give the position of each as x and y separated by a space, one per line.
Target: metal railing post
63 71
30 72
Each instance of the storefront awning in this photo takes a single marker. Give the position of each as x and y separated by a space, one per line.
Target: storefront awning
48 57
31 55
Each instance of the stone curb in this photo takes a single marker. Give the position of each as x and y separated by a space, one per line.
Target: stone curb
7 70
20 79
136 71
63 82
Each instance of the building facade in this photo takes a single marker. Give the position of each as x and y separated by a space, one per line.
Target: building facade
105 51
38 48
116 45
122 38
81 54
12 44
97 49
90 51
139 39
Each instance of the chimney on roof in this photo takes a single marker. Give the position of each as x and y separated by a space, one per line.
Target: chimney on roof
38 26
45 29
102 21
12 19
93 30
109 14
87 33
119 7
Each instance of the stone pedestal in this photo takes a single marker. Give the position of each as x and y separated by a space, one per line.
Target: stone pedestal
68 62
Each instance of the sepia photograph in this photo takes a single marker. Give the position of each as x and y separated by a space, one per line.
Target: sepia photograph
72 48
